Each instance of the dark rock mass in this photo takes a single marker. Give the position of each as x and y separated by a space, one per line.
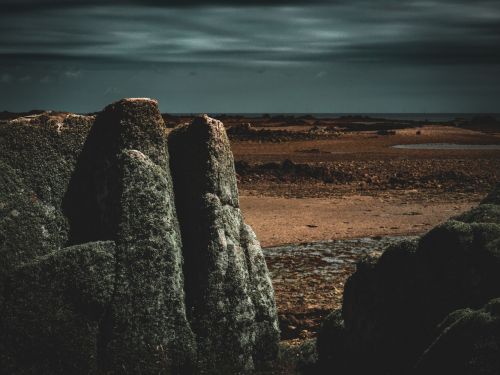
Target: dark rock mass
403 314
97 276
468 342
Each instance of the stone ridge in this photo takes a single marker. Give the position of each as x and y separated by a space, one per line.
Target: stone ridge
94 261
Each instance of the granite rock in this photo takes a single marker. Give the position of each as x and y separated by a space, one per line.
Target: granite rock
229 296
97 274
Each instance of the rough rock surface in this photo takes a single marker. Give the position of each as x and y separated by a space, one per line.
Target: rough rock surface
53 311
468 343
37 157
92 276
131 202
392 307
29 226
229 296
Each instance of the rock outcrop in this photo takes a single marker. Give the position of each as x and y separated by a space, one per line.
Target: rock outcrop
97 276
396 307
229 296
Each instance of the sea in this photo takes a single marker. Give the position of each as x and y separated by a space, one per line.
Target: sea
432 117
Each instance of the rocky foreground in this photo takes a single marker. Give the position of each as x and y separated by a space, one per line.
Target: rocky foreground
124 250
110 265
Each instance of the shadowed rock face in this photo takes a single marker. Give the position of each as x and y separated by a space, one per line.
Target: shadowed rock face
53 311
468 342
229 296
115 302
394 308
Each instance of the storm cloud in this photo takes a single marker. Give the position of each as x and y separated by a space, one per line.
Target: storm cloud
326 56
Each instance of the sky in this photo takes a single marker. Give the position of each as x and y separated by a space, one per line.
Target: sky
252 56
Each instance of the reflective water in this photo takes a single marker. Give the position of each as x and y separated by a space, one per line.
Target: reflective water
327 256
447 146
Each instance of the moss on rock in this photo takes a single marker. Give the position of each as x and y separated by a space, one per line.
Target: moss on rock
484 213
29 227
43 150
115 301
468 343
493 197
392 306
229 295
53 311
149 330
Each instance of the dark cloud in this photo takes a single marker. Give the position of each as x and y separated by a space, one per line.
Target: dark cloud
419 33
21 5
46 38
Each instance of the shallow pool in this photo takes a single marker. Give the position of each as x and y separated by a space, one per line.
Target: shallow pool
447 146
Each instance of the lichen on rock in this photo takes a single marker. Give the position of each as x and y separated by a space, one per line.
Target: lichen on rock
468 342
92 278
229 295
149 330
53 311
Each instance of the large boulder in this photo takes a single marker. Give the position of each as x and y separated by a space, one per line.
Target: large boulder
92 277
229 296
393 305
122 190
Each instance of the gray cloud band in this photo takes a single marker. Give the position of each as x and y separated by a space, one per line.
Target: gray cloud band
411 33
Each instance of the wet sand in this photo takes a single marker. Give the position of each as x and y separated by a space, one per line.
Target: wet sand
278 220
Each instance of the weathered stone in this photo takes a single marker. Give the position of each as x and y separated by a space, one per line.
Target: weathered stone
53 310
378 309
29 226
262 294
91 202
43 151
122 191
229 295
149 332
37 157
115 301
392 306
468 343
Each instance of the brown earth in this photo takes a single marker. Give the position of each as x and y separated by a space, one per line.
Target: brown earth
279 220
357 185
